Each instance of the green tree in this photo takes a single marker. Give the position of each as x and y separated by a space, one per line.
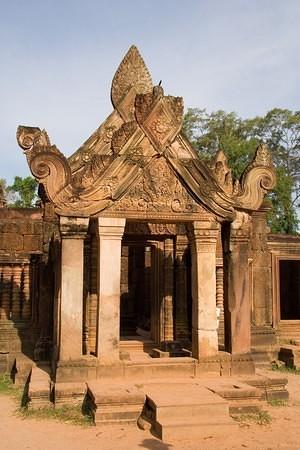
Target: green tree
280 129
23 192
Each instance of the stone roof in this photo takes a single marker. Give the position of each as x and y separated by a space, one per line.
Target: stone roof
139 157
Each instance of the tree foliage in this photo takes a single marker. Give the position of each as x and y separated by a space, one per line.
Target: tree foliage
22 193
279 128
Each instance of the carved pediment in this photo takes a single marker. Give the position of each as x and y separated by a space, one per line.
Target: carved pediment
139 162
158 191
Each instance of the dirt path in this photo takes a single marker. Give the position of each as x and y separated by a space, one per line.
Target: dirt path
19 434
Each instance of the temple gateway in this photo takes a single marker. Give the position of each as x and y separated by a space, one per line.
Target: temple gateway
142 261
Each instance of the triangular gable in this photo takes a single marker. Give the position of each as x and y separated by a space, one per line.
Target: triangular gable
121 158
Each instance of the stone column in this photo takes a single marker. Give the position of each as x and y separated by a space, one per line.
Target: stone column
181 316
262 296
203 239
6 291
168 289
110 232
237 308
16 293
26 312
73 231
220 292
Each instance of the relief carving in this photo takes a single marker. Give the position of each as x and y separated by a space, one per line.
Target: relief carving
152 228
159 117
158 190
132 72
258 178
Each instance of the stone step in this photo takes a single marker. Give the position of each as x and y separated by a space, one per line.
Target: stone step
242 397
40 387
290 355
183 400
138 369
132 344
160 368
271 386
114 403
184 410
22 369
69 393
193 428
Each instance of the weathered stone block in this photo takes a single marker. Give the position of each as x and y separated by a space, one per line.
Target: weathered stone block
32 243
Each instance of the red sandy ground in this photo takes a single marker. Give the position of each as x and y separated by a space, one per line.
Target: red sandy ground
19 434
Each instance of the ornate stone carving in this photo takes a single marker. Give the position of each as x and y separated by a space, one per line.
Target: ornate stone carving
159 117
121 136
92 170
48 165
158 190
153 228
258 178
138 161
132 72
222 172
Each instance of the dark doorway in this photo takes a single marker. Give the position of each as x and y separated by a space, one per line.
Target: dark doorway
136 291
289 289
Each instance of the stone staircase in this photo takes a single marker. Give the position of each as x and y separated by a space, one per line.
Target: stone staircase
179 410
114 403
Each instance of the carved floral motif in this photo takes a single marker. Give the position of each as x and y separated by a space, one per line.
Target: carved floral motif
154 228
158 190
160 117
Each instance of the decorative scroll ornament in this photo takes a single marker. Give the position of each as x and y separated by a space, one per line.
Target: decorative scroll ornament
258 178
47 164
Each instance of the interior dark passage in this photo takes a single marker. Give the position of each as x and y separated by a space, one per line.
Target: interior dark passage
135 309
289 289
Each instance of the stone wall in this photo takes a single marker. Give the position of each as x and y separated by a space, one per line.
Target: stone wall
24 281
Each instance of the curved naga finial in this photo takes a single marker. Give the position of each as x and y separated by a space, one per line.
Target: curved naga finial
258 178
132 72
47 164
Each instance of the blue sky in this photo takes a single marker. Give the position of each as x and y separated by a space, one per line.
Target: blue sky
58 59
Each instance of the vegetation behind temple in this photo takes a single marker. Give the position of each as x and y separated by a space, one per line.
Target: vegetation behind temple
279 128
21 194
238 138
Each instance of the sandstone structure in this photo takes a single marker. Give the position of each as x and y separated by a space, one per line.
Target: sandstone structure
141 259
